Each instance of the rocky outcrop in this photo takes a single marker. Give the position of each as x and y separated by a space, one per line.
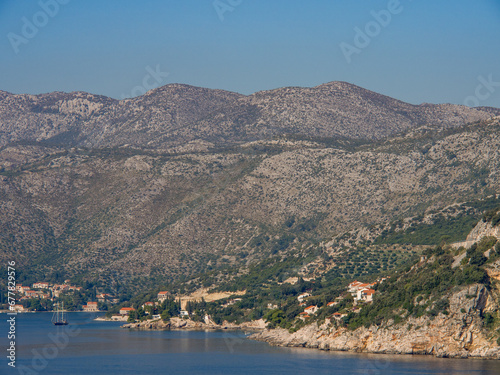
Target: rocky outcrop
190 325
482 229
460 334
149 324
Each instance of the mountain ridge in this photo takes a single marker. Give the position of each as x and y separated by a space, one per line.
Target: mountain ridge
177 114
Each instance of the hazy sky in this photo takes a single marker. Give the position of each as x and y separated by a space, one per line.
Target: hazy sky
418 51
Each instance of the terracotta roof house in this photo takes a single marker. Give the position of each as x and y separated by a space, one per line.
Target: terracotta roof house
162 296
311 309
126 310
365 295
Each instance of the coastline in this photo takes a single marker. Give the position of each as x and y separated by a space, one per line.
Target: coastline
114 318
459 334
370 341
190 325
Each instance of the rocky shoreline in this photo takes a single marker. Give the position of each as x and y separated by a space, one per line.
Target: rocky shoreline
457 335
190 325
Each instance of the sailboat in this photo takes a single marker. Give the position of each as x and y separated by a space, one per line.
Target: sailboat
58 318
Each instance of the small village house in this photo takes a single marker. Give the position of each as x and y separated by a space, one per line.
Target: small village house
22 289
356 286
337 316
31 294
90 307
162 296
303 316
19 308
148 306
126 310
42 285
365 295
302 296
311 309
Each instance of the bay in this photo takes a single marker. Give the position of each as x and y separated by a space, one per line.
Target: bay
90 347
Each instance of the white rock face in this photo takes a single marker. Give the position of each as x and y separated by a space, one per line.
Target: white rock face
458 335
481 230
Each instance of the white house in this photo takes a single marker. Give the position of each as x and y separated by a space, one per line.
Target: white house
19 308
42 285
365 295
311 309
302 296
90 306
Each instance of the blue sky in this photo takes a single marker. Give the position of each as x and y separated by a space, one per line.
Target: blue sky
424 51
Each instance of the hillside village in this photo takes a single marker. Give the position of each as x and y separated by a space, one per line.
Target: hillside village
356 295
29 297
41 295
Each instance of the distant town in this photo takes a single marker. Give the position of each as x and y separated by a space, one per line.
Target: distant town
40 296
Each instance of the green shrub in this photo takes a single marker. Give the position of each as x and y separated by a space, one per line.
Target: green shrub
477 259
488 320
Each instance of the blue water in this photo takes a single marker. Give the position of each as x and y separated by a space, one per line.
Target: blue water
92 348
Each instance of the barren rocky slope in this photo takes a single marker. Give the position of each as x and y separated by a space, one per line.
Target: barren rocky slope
120 214
181 116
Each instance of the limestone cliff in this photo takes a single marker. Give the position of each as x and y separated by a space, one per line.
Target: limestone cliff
460 334
482 229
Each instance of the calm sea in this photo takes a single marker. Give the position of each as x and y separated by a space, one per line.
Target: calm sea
92 348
